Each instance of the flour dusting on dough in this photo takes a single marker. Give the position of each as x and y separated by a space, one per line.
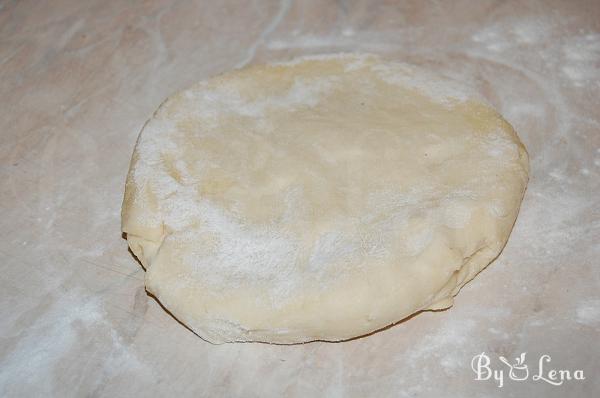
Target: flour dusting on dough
227 98
439 89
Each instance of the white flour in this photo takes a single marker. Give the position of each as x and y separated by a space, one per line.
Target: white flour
588 313
64 328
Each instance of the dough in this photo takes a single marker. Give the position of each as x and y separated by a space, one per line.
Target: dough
319 199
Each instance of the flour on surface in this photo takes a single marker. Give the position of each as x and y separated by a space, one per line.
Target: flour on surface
588 313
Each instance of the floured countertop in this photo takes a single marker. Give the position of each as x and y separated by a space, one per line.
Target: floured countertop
79 79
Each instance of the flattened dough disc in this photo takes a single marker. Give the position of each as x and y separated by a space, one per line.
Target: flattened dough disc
320 199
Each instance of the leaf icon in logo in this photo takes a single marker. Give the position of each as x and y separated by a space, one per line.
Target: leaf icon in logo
521 359
519 371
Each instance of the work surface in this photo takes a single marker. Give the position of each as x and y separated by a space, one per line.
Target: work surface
78 79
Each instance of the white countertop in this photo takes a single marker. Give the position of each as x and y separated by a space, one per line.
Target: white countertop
79 78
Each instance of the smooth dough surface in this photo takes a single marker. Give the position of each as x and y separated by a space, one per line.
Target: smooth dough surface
319 199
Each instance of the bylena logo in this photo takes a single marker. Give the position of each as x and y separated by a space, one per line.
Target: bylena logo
519 370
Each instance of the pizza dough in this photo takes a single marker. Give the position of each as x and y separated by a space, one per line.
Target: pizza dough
319 199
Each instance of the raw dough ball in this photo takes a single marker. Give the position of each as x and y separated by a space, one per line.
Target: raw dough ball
319 199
